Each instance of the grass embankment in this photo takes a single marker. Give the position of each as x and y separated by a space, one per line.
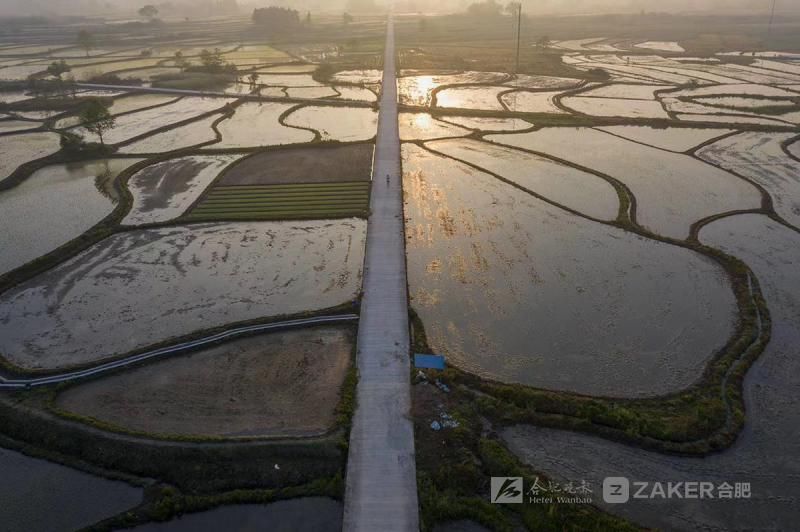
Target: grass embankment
455 465
702 419
278 202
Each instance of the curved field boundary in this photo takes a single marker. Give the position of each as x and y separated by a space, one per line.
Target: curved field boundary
10 384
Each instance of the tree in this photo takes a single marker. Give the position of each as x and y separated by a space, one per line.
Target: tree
543 41
487 8
253 80
58 69
347 18
97 119
85 41
308 18
150 12
180 61
212 61
277 19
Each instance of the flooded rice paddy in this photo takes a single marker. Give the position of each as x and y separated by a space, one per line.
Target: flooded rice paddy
670 197
164 191
673 139
308 514
26 147
422 126
488 123
256 124
158 284
9 126
500 280
760 157
41 496
136 124
53 206
478 98
532 102
283 384
337 123
192 134
615 107
581 191
765 452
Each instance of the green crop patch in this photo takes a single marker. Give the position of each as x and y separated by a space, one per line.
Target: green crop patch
283 202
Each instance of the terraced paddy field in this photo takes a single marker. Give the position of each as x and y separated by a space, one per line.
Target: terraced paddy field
764 454
422 126
257 124
283 384
79 499
670 197
10 126
283 202
344 124
499 278
164 191
192 134
760 158
53 206
136 124
306 514
25 147
158 284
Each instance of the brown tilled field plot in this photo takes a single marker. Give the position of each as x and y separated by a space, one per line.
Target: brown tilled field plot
303 165
279 384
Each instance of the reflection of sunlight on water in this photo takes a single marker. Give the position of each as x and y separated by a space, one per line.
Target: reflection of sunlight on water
422 122
421 89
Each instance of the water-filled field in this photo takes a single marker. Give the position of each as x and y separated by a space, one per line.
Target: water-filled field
672 139
480 98
307 514
25 147
53 206
337 123
501 280
74 499
133 125
164 191
760 157
168 282
670 197
581 191
422 126
192 134
532 102
256 124
764 454
615 107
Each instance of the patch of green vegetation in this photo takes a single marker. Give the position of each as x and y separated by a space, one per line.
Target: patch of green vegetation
200 81
455 465
287 201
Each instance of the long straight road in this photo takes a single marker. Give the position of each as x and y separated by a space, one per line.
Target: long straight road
381 484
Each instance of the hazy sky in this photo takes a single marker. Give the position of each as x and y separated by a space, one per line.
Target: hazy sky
22 7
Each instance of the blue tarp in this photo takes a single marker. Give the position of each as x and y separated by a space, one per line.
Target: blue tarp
429 361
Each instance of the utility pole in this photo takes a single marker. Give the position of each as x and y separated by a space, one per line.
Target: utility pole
771 17
519 27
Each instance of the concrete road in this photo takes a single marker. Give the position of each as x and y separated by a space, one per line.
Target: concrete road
381 492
